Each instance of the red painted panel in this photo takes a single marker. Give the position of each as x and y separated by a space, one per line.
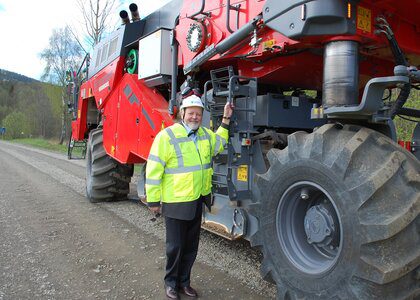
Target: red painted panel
284 64
124 139
110 121
129 111
79 126
216 24
106 80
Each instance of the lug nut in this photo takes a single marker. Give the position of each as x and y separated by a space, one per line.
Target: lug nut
304 194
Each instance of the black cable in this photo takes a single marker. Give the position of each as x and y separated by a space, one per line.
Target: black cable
401 99
389 95
408 119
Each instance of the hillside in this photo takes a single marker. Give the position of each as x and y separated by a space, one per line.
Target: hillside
28 107
11 76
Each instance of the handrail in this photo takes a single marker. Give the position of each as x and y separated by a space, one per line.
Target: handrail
234 7
201 11
86 60
206 104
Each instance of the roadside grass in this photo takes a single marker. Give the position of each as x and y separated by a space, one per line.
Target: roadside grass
40 143
51 145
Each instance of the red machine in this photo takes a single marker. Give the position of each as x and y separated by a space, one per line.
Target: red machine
312 172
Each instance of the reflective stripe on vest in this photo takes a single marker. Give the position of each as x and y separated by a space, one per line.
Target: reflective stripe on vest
153 181
156 159
187 169
175 141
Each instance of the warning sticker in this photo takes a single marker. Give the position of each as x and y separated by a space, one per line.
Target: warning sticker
364 19
267 45
295 101
242 173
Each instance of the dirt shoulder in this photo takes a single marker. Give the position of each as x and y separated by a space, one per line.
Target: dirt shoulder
57 245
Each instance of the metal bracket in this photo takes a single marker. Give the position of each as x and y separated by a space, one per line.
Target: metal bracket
371 102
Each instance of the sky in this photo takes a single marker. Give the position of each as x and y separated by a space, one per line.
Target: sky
26 26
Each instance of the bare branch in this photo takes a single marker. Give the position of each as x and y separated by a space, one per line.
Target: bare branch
96 17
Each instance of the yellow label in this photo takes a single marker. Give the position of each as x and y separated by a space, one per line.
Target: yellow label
78 113
268 44
242 173
364 19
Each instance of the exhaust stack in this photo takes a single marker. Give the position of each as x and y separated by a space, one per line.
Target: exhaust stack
134 12
124 17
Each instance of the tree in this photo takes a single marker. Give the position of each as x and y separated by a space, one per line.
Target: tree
62 54
36 107
16 125
96 18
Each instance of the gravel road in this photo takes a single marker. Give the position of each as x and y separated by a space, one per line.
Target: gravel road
54 244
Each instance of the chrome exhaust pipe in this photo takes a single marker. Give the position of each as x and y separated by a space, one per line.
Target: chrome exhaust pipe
340 85
134 12
124 17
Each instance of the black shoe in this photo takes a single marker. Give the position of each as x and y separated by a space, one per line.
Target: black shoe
189 291
171 293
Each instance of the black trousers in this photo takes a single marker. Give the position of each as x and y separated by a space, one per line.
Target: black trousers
182 239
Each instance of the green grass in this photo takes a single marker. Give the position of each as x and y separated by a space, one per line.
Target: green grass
51 145
405 128
42 144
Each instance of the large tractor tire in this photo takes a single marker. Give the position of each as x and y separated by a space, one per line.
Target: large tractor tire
339 217
106 178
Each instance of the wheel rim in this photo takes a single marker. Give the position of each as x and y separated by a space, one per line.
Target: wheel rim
309 228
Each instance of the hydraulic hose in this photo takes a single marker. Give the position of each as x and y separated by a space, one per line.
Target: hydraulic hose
401 99
400 60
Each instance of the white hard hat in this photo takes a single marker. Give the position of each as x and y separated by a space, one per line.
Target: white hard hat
190 101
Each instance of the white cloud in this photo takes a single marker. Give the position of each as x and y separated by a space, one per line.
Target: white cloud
25 28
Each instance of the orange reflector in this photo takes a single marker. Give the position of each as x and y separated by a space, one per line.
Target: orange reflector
349 10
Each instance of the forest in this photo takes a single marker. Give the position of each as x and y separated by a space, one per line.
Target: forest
29 108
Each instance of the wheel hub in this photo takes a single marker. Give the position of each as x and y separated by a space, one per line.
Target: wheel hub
319 225
308 228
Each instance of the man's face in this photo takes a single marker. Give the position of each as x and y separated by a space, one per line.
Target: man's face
193 117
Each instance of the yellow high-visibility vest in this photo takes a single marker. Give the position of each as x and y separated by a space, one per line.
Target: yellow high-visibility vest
178 170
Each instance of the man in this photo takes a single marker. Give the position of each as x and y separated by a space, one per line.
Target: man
178 178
